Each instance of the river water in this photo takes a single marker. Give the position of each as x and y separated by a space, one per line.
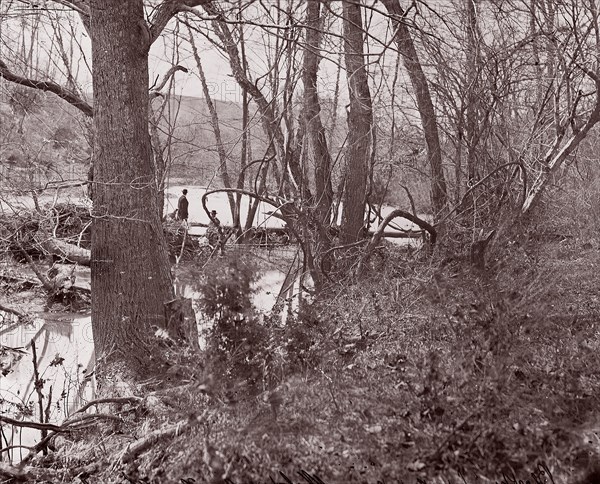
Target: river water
64 349
219 202
65 358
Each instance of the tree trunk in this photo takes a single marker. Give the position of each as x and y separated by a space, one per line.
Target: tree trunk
131 279
214 119
270 122
472 86
556 157
360 121
160 164
312 114
420 85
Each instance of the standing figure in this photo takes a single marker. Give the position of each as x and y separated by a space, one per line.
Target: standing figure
214 231
214 220
182 208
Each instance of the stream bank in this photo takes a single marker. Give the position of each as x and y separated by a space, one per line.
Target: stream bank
64 342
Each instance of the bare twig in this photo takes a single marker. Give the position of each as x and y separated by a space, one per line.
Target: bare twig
12 447
142 445
178 259
32 425
41 276
47 411
38 385
118 400
155 91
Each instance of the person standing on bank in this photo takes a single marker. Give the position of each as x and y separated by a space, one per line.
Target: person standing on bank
182 208
214 232
214 220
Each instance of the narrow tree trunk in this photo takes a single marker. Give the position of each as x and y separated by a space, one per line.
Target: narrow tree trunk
241 181
472 88
244 157
130 271
214 118
312 114
253 204
270 121
360 121
556 158
420 85
160 165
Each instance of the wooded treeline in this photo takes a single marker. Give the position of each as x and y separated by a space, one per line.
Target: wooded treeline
470 107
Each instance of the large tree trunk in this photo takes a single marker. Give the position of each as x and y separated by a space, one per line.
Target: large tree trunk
420 85
360 121
131 279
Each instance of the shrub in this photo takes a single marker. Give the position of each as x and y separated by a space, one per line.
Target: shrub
236 342
245 349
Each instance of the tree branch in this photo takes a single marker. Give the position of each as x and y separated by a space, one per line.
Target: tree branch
275 203
155 91
32 425
82 7
142 445
10 310
378 235
166 11
117 400
69 96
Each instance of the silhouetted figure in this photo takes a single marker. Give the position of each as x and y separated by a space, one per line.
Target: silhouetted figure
214 220
182 207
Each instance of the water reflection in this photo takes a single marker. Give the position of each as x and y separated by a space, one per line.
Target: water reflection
65 358
65 354
264 296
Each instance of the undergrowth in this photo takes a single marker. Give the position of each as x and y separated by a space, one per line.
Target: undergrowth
423 371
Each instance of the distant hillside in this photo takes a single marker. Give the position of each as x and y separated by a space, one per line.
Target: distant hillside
43 134
194 153
43 138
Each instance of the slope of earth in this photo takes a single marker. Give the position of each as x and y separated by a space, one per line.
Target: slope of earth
423 372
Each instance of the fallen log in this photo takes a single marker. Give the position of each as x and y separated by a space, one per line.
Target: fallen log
23 281
404 234
7 309
67 251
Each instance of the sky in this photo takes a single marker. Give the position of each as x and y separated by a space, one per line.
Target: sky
56 29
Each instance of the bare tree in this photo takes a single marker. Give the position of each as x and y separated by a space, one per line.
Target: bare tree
419 82
360 123
312 113
214 117
131 277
